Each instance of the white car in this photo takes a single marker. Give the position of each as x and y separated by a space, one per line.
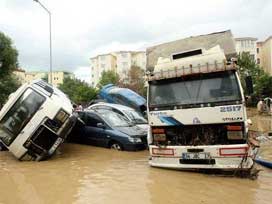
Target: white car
129 113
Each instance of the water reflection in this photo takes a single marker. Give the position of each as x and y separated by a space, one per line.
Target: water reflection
86 174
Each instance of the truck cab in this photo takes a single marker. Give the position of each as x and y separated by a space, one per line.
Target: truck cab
197 114
35 121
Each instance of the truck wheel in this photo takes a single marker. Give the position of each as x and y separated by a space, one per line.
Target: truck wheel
116 146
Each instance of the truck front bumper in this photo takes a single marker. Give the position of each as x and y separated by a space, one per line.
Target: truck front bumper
218 159
219 163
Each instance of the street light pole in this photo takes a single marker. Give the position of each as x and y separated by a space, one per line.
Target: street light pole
50 40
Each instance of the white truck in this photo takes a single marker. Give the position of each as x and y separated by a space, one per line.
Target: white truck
197 113
35 121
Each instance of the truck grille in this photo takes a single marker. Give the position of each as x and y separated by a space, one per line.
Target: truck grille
44 138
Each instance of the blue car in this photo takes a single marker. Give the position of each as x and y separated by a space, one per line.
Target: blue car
113 94
109 129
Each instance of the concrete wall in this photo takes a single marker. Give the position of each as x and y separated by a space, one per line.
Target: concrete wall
266 55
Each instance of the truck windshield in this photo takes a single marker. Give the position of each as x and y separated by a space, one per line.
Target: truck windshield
209 88
19 115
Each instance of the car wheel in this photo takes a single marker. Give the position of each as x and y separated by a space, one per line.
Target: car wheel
116 146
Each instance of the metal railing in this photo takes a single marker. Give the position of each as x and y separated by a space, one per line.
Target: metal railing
176 71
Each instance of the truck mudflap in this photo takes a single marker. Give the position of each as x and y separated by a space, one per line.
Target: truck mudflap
221 157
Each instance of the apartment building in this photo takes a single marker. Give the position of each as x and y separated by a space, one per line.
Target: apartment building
57 77
126 59
19 75
120 62
99 64
247 44
264 55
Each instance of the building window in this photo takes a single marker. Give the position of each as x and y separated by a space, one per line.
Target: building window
92 76
102 58
258 61
125 64
124 55
257 50
103 66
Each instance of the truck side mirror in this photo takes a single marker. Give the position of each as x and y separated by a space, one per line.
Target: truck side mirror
249 85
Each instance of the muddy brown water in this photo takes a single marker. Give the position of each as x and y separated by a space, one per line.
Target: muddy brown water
87 174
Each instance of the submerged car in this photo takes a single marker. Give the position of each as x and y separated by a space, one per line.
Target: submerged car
109 129
129 113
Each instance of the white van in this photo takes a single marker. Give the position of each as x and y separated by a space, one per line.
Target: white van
35 121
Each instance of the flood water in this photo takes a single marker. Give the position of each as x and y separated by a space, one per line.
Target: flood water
86 174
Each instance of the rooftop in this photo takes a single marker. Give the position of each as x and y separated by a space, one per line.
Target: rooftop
224 39
246 38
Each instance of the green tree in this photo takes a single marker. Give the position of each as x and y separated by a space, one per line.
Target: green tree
108 77
8 63
136 80
45 78
262 82
78 91
248 67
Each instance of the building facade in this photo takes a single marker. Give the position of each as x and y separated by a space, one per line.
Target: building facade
247 44
264 55
120 62
99 64
57 77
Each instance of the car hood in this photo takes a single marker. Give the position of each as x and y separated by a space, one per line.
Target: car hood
132 131
143 127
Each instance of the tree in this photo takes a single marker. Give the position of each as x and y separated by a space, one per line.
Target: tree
262 82
108 77
78 91
248 67
8 63
45 78
136 80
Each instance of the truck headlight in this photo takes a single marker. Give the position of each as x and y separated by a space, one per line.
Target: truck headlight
61 116
134 139
159 134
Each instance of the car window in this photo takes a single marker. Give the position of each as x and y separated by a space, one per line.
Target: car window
114 119
92 120
117 111
102 107
136 117
109 108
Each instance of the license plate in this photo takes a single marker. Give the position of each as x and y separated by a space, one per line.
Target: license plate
198 155
55 145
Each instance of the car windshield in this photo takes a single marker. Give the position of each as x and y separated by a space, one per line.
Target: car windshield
135 117
19 115
113 119
218 87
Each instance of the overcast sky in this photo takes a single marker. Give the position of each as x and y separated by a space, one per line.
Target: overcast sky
84 28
